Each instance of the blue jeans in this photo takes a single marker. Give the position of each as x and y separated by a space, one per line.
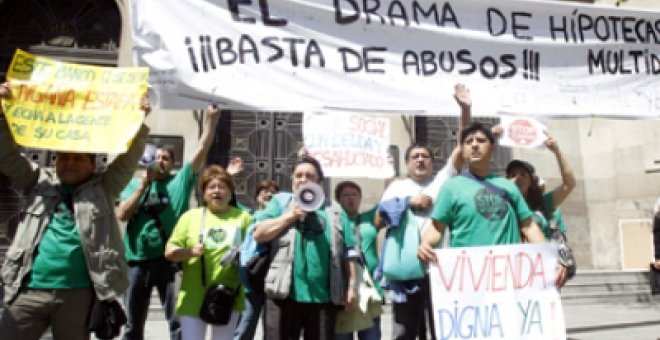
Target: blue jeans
371 333
143 277
247 322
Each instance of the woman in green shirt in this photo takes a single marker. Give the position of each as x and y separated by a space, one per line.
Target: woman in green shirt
523 174
223 229
545 205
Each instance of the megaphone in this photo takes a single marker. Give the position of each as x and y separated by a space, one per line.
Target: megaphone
309 196
148 159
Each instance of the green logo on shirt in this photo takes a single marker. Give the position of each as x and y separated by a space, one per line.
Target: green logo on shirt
490 205
215 237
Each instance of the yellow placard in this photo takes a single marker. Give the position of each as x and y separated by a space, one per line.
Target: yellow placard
72 107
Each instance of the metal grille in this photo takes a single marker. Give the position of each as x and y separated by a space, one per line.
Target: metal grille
440 133
267 142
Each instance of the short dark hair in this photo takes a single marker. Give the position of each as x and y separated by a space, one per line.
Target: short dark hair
534 196
346 184
477 126
169 150
267 184
313 162
91 156
417 145
517 163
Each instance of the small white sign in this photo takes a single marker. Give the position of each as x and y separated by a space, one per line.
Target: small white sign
349 145
522 132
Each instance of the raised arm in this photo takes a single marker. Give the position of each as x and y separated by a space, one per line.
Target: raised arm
123 167
464 101
560 193
126 208
206 139
17 168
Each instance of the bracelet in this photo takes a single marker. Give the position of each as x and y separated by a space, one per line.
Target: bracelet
353 285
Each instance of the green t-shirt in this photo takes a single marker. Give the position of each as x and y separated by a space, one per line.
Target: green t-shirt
59 261
539 219
476 216
170 198
368 234
311 261
222 232
556 218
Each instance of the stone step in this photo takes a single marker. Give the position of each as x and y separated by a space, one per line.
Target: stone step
595 287
602 277
604 287
632 297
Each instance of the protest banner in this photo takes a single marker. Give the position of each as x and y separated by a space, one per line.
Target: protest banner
351 145
497 292
71 107
522 132
519 56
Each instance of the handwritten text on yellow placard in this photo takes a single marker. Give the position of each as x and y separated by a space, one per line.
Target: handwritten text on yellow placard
72 107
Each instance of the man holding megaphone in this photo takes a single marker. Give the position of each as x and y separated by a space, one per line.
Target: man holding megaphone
312 249
151 205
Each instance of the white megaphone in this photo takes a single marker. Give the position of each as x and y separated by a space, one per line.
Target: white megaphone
309 196
148 159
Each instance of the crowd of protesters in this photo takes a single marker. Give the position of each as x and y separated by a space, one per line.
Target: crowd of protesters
69 253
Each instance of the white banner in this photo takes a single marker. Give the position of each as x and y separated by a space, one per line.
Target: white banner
523 57
498 292
349 145
522 132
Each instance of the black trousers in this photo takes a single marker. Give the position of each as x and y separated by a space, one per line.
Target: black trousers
287 319
413 319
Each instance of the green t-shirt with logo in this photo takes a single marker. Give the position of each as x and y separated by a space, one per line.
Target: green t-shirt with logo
476 216
311 261
169 199
368 236
59 261
222 232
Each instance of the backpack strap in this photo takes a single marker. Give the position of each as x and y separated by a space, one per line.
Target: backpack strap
202 230
338 275
492 187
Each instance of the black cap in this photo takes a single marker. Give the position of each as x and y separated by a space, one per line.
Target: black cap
517 163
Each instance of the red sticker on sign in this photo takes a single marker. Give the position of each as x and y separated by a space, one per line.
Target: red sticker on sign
522 132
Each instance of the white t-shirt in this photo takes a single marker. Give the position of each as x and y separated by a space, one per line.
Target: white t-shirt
408 187
656 208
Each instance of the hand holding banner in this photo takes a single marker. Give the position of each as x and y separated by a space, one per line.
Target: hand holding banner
72 107
503 292
522 132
